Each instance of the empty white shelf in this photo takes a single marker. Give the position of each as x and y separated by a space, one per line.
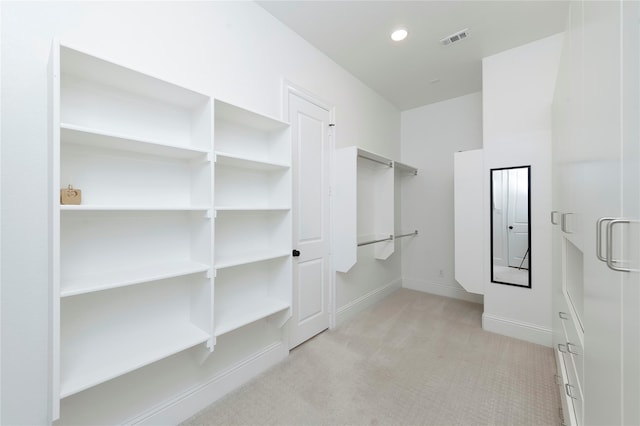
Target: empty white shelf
74 62
256 257
80 135
104 359
231 317
251 208
122 278
232 160
89 207
231 113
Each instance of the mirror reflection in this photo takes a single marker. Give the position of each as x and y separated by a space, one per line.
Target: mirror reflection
510 226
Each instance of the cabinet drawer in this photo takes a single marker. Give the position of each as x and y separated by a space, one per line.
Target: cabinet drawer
575 351
568 409
572 389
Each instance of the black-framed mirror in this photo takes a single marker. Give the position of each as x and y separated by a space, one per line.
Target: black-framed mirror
511 226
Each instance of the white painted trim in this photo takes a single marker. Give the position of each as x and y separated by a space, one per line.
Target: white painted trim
292 88
453 290
188 403
517 329
358 305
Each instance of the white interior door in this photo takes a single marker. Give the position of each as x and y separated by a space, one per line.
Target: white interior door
499 211
518 217
311 267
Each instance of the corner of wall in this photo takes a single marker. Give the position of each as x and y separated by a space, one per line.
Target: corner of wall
517 329
452 290
354 307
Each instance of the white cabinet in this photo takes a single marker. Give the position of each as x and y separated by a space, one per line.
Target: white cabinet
131 265
365 205
253 218
596 174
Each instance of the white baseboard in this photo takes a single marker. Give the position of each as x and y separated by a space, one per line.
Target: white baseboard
454 292
358 305
517 329
188 403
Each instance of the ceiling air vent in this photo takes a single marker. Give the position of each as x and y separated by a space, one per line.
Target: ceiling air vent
460 35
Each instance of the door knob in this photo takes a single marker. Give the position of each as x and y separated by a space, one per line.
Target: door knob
510 227
295 253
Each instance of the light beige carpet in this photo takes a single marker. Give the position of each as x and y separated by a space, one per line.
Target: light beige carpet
414 359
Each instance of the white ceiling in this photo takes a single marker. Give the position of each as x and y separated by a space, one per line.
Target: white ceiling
355 34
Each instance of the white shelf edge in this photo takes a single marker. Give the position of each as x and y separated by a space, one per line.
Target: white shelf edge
250 259
248 209
246 162
268 307
116 280
119 141
188 336
97 207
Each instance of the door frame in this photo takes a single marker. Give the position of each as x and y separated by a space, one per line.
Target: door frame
290 88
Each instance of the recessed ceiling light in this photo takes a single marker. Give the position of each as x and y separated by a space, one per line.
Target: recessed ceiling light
399 34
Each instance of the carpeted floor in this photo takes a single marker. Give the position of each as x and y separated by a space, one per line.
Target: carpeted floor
414 359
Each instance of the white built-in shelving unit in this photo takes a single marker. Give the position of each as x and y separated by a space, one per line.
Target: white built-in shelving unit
253 218
364 200
132 265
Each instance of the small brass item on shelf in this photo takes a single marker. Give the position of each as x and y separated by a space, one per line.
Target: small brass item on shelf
70 196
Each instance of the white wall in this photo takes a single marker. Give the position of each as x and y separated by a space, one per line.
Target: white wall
234 51
430 136
518 87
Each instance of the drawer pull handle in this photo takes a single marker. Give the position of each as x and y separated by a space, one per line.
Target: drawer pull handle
609 245
562 348
553 217
599 223
569 349
563 223
569 392
563 315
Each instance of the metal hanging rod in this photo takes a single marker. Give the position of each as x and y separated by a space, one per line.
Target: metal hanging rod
386 163
407 235
389 238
